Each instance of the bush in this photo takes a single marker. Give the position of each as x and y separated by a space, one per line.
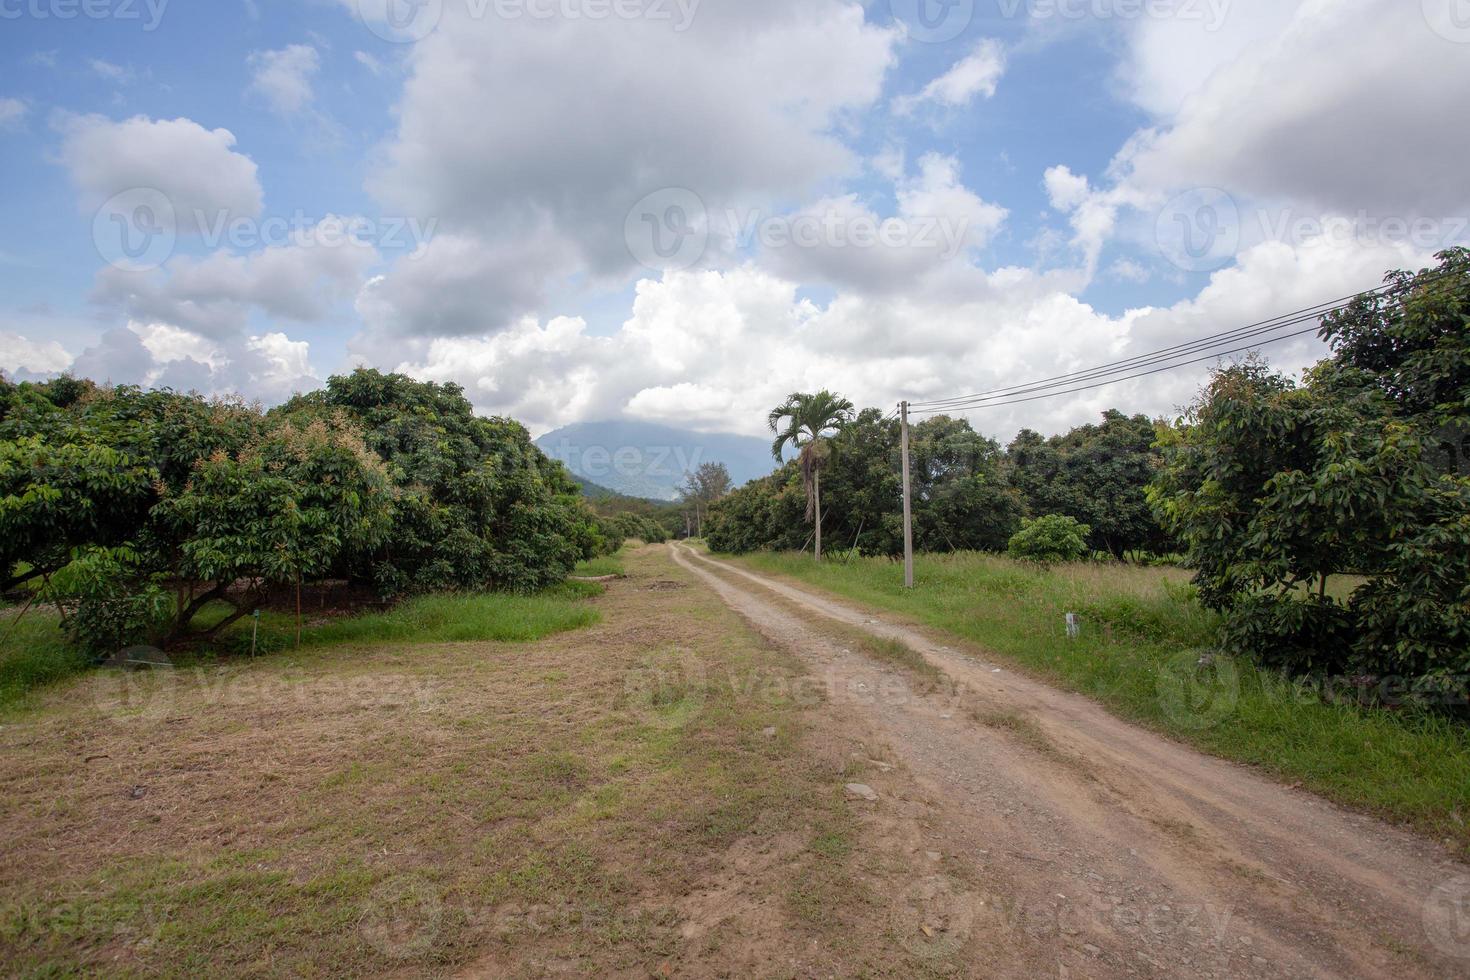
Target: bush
1049 540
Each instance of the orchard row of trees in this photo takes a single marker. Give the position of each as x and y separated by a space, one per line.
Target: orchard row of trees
969 492
135 510
1271 489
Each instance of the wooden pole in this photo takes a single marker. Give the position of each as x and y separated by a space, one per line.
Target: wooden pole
908 520
817 490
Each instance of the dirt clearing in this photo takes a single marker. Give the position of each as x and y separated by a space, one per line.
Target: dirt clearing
661 794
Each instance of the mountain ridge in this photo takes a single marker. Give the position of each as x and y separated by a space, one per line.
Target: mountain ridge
648 459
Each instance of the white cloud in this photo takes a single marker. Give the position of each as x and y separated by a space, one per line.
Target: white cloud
1337 106
18 353
1065 189
116 74
459 284
369 62
284 77
506 124
197 169
714 350
843 242
12 113
977 74
214 296
270 367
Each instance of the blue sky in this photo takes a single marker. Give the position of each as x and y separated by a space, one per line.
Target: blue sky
490 171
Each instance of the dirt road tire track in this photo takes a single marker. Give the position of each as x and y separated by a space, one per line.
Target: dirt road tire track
1091 847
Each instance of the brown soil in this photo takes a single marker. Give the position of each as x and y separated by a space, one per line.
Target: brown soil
1065 842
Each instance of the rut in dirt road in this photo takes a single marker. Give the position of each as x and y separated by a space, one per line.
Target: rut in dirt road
1084 846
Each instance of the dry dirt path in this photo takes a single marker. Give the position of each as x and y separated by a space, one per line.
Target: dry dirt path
1073 844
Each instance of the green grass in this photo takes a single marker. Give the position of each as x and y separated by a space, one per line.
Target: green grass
33 653
1140 625
598 567
36 654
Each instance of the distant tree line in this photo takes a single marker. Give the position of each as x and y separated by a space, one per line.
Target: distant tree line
969 493
1327 520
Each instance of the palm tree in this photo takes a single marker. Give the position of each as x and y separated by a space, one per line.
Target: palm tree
804 422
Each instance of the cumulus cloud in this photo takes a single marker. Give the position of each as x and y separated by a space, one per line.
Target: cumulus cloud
622 108
270 367
300 281
20 355
458 284
12 113
842 241
117 74
1322 100
715 349
197 169
976 75
284 77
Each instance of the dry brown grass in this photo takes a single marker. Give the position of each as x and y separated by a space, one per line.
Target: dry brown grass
513 809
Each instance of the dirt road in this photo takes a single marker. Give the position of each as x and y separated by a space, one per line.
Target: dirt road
1066 843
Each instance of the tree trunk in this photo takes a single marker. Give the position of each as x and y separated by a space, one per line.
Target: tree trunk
817 497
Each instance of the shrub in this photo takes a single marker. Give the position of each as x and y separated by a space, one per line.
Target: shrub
1050 539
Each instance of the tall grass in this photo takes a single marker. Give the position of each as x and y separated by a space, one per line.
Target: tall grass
1138 624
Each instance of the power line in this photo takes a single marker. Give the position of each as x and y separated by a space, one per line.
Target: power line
1261 329
1129 367
1112 381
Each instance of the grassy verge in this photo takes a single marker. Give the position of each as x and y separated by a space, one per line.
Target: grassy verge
1141 633
598 567
34 653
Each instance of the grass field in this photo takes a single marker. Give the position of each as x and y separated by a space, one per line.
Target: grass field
1140 631
34 653
604 801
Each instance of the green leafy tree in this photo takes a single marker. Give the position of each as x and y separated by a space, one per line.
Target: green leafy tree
1278 488
804 422
960 494
478 505
706 485
1098 474
1049 540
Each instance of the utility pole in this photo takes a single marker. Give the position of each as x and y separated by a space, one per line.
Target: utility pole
908 519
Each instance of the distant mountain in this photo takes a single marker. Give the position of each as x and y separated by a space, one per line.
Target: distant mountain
640 459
